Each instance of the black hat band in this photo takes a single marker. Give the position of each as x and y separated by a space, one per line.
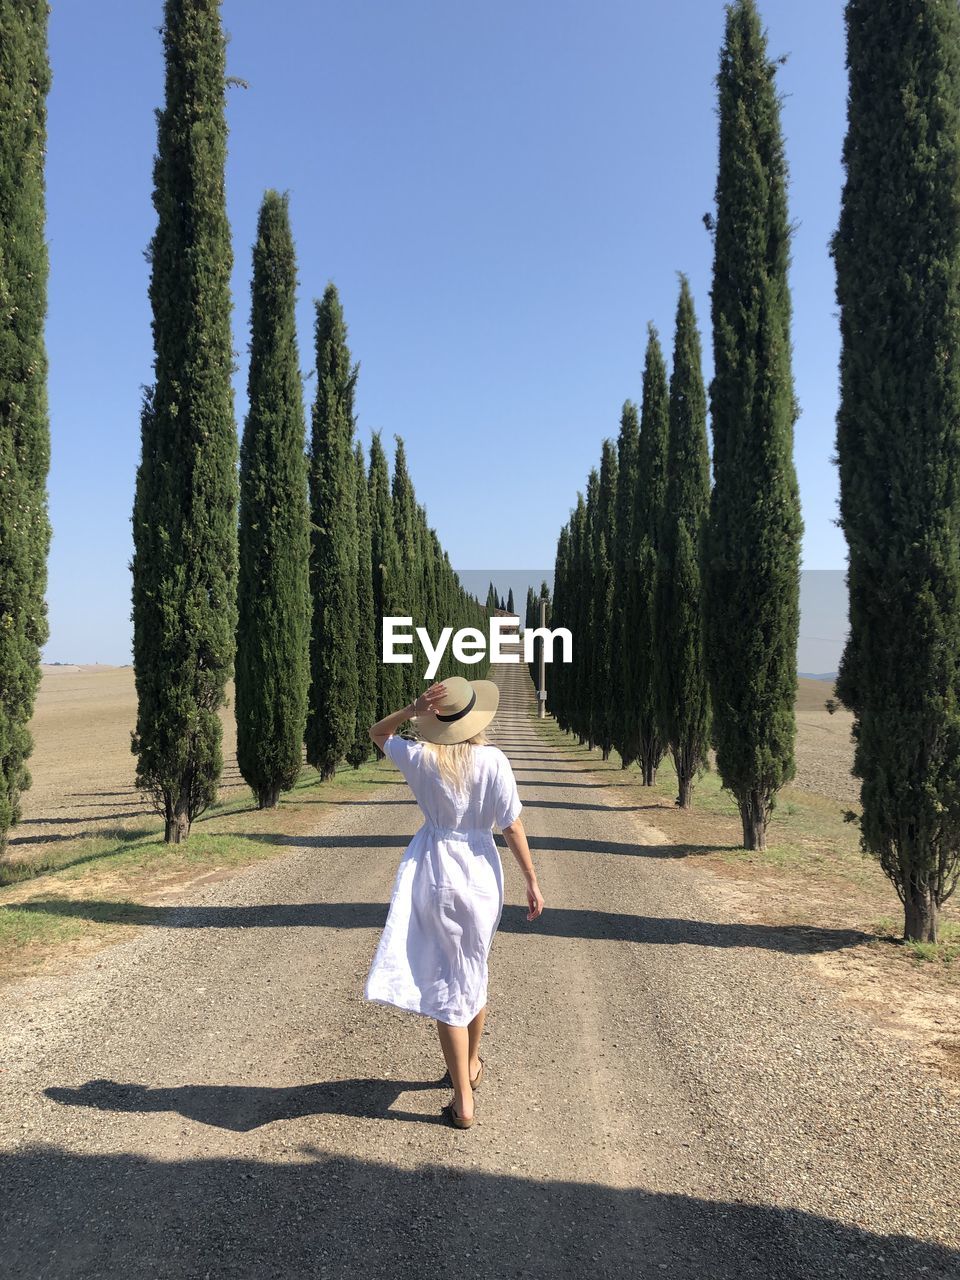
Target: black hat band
457 715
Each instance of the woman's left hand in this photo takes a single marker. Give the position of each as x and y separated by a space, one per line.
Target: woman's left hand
426 703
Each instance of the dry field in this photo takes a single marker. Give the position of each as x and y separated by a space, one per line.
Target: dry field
82 766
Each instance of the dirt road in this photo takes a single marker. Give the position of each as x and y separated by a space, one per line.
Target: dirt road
668 1093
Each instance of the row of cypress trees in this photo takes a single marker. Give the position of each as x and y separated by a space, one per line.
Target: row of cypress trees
705 601
684 599
282 574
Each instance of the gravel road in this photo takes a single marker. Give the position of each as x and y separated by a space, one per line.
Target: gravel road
668 1092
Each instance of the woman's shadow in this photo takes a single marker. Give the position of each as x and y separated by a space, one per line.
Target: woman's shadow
241 1108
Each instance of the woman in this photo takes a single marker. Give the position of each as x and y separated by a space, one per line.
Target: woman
447 896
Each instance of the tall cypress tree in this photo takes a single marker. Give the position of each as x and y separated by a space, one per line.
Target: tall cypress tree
897 255
24 424
602 593
586 570
493 604
560 617
431 616
752 568
405 522
273 593
641 585
185 509
678 614
511 608
332 716
621 688
529 622
366 621
386 574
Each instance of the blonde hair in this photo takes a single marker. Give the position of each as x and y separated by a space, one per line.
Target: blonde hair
455 759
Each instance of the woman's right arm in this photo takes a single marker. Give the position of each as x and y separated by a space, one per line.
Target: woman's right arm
516 839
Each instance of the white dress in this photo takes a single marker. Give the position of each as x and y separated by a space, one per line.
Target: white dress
447 896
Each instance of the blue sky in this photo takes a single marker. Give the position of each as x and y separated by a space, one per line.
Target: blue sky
503 194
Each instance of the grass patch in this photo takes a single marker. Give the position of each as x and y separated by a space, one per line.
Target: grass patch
812 868
799 819
87 890
946 951
137 846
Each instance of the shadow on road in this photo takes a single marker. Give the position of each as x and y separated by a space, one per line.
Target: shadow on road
241 1108
556 922
320 1214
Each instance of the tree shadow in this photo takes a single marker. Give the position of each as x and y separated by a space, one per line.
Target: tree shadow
582 786
580 805
319 1213
55 837
571 771
556 922
128 794
411 803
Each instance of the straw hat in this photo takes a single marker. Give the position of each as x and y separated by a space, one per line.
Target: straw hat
466 707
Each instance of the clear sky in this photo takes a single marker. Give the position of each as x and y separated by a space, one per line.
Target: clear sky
503 194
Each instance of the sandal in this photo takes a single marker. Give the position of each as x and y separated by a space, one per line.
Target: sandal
454 1117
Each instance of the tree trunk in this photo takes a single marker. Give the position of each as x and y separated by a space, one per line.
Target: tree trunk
327 772
177 828
684 798
753 813
269 797
920 914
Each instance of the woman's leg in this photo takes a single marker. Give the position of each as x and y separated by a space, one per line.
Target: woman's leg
455 1043
474 1032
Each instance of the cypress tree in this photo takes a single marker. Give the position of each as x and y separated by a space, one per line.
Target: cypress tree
185 560
602 593
621 689
641 585
897 256
528 624
559 695
752 567
510 605
386 574
273 591
332 715
431 615
24 424
678 612
405 522
366 621
492 604
583 570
